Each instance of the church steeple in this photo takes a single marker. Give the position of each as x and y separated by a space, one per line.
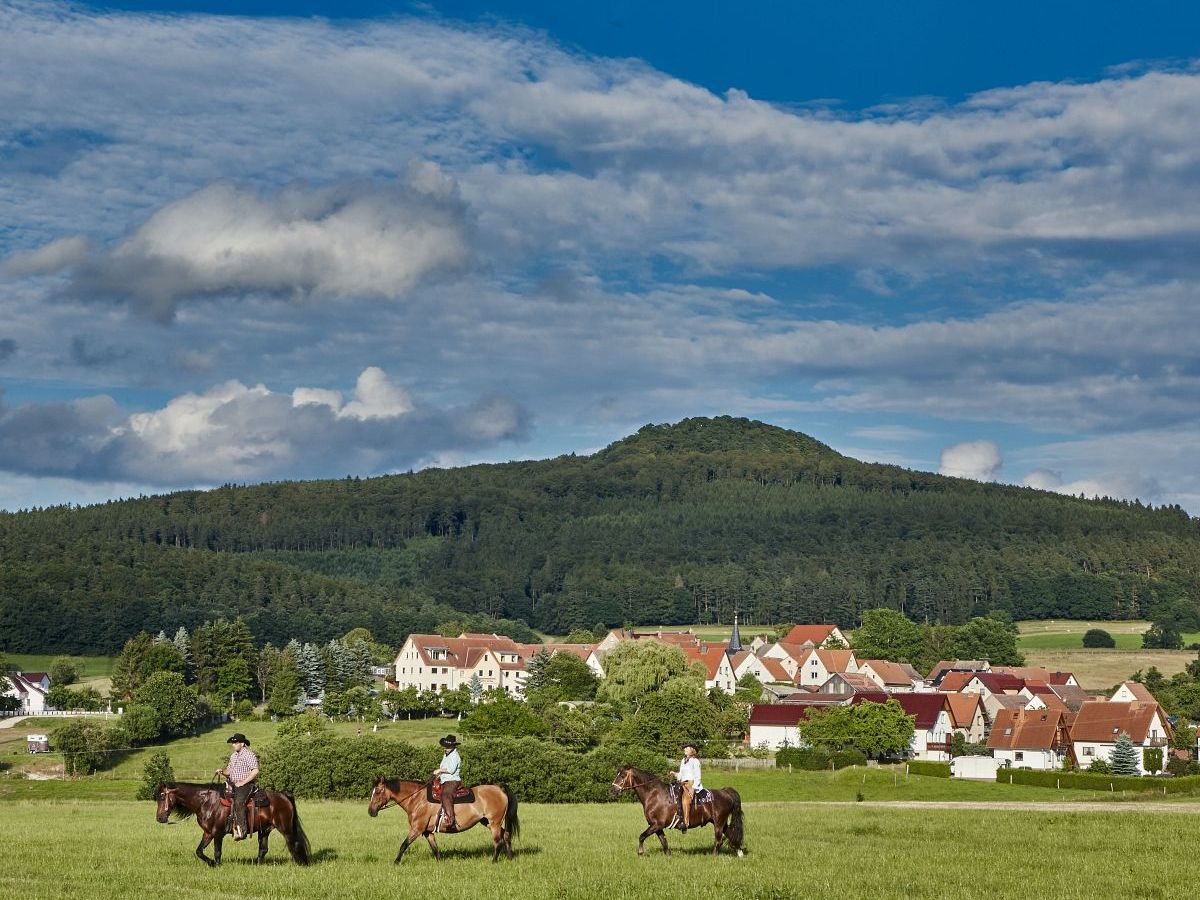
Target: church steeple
735 639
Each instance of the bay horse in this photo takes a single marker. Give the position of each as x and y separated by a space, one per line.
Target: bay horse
494 806
723 812
215 819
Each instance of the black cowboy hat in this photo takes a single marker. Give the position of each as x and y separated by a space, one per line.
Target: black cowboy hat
449 741
238 738
691 744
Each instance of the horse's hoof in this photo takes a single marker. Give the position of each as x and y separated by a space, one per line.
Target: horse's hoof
741 853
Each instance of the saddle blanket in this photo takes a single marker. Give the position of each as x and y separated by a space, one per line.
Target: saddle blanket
701 796
464 794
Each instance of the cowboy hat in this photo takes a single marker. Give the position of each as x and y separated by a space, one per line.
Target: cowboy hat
238 738
449 741
691 744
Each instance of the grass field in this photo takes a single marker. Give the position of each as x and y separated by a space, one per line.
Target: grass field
115 849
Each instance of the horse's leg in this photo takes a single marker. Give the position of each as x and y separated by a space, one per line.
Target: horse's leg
437 854
204 841
718 836
412 836
497 839
650 829
263 832
218 839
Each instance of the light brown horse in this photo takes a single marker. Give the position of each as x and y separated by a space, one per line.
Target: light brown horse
204 801
493 805
723 811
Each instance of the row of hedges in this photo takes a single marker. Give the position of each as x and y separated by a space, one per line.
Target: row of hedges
324 765
929 767
815 758
1090 782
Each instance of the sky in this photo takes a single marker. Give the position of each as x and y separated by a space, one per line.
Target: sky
254 241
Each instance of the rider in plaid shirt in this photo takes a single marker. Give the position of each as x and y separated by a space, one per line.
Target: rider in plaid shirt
241 770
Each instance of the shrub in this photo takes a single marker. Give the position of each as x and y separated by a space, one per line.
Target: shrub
1098 637
929 767
817 758
1181 767
1091 781
243 709
88 746
331 766
1152 759
1100 767
156 771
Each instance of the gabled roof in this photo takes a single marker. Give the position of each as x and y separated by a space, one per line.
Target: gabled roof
583 651
813 634
999 682
784 713
1025 729
1034 673
955 681
855 681
1072 695
1102 721
923 707
1010 701
707 654
957 665
962 709
35 676
835 660
1139 691
775 667
891 673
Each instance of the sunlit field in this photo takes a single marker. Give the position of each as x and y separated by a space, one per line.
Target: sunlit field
100 849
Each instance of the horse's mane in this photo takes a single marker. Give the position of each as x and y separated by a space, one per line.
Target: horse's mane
178 809
394 784
645 777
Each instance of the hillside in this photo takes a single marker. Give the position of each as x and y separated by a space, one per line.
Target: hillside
675 523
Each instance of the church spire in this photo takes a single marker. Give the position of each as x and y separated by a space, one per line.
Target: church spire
735 639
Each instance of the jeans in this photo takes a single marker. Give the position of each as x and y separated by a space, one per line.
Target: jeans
241 793
448 790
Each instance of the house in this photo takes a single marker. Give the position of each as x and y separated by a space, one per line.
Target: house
1029 739
766 670
993 703
776 725
1130 691
1072 695
430 662
891 676
931 723
718 669
817 665
1099 723
946 666
30 694
815 635
1037 673
967 716
848 684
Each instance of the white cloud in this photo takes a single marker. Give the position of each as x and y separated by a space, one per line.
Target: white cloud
232 432
978 460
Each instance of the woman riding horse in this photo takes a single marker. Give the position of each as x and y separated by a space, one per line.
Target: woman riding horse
493 805
723 810
204 801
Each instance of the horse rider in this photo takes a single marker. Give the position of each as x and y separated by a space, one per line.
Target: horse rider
241 771
688 778
449 773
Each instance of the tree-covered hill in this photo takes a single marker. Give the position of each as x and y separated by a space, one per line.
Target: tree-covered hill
676 523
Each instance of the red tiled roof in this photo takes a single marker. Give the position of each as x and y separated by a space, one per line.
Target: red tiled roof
1139 691
814 634
962 709
924 707
707 654
784 713
999 682
1102 721
888 671
955 681
1026 729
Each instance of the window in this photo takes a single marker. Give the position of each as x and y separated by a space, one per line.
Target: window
1019 755
1089 751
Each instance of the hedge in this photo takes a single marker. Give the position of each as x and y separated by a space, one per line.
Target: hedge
340 767
929 767
1088 782
815 758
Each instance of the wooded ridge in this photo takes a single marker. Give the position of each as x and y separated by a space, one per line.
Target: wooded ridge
674 524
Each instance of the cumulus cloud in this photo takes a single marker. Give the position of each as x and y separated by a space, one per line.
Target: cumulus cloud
978 460
233 432
1117 485
346 240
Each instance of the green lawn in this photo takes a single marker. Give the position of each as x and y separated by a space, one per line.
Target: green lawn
80 849
85 666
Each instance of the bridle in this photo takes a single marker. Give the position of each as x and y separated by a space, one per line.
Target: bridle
632 786
400 800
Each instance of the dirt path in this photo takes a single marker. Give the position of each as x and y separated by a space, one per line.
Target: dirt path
10 721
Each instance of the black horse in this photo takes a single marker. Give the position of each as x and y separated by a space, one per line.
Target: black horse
211 807
723 812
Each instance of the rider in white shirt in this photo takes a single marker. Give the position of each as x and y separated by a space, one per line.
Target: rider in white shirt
688 778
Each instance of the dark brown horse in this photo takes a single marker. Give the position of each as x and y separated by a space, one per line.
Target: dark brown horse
204 802
723 812
494 806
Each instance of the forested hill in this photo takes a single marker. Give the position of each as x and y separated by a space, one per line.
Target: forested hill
676 523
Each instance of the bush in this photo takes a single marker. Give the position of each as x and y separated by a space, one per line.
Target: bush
1181 767
817 758
1152 759
1090 781
61 697
1100 767
929 767
156 771
88 746
325 765
1098 637
243 709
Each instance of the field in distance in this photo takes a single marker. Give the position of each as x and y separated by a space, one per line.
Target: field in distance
115 849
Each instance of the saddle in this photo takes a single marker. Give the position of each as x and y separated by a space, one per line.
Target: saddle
464 794
258 797
704 795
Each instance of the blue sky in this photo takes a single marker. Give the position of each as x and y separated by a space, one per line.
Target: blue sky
250 241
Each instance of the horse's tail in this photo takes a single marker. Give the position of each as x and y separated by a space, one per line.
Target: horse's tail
512 824
297 840
736 830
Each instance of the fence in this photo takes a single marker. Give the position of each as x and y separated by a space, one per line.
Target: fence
738 763
45 713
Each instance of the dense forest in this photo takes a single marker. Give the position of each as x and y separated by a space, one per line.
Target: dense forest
674 524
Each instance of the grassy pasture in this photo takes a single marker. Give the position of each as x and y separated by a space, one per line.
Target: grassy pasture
85 666
109 849
1101 669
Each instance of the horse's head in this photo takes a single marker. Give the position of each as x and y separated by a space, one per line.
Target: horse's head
165 795
623 781
380 797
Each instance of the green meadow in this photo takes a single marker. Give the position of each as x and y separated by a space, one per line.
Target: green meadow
67 847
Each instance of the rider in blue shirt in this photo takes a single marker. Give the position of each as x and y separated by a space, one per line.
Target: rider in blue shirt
449 773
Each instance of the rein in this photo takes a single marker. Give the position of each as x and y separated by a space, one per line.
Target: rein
424 786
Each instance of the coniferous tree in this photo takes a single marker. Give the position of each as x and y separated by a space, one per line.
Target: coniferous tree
1124 759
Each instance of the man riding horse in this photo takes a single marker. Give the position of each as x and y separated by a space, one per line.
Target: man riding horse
449 773
241 771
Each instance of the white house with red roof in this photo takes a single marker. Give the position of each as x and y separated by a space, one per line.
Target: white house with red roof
718 668
893 677
816 635
430 662
1131 691
1099 723
816 665
1029 738
29 689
